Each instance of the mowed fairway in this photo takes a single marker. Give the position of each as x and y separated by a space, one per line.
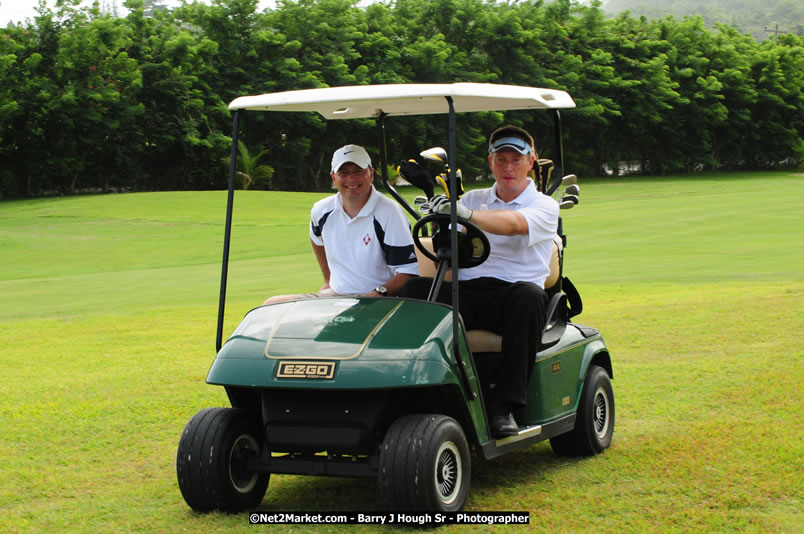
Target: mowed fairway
107 329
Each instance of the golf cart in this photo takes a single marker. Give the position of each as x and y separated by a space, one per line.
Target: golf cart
384 387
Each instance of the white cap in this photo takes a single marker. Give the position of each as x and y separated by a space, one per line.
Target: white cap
350 153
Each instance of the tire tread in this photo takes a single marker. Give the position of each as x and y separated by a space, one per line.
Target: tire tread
581 441
403 472
202 460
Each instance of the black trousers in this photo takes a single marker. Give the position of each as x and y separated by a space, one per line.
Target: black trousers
516 311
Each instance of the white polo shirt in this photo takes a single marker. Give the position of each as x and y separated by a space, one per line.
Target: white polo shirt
367 251
518 258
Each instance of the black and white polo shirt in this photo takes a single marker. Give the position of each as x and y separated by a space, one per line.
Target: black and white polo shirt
366 251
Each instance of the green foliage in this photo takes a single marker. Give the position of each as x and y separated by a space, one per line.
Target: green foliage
250 170
89 101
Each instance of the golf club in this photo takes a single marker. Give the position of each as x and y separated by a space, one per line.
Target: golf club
439 155
436 153
566 180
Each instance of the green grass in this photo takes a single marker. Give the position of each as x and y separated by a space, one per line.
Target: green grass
107 321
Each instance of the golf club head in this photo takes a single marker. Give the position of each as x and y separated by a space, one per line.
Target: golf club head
422 204
572 189
415 175
570 198
569 179
459 178
566 204
436 153
443 180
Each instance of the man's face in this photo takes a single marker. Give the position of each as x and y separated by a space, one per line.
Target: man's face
510 170
352 181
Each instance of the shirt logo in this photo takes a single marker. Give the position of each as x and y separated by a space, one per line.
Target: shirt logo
366 239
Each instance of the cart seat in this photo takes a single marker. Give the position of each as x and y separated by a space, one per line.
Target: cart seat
427 267
483 340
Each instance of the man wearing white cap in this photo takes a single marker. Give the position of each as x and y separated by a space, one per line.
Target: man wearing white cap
360 237
505 294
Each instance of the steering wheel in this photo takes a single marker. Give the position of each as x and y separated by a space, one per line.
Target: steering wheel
473 245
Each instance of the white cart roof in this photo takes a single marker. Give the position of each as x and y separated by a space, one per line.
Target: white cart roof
361 101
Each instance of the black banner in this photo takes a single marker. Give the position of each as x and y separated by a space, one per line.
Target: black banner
389 518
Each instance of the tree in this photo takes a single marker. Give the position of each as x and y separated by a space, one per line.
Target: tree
250 170
94 113
185 119
89 100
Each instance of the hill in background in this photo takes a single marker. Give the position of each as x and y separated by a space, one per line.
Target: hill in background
760 18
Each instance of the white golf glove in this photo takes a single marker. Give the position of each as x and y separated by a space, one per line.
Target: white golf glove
440 204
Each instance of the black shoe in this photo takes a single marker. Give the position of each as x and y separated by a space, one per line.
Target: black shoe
503 424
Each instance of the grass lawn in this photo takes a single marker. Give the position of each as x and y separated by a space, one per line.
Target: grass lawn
107 329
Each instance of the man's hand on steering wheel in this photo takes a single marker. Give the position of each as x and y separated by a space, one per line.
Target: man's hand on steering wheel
473 244
441 204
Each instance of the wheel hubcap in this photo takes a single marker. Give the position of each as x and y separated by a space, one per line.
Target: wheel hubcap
448 472
243 479
601 412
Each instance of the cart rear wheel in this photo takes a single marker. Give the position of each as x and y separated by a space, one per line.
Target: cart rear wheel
215 461
594 424
424 464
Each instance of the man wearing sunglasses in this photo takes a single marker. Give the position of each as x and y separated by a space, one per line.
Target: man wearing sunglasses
505 294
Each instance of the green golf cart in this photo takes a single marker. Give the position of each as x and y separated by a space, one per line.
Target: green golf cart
392 388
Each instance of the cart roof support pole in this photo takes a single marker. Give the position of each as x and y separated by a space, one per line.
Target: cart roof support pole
559 141
228 232
383 167
453 235
549 189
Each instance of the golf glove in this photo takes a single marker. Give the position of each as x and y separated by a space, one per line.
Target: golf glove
441 204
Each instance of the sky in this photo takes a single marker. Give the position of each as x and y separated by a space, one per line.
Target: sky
19 10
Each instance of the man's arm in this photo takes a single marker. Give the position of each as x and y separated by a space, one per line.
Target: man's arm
500 222
321 256
394 285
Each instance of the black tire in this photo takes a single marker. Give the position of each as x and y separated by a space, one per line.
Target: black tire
594 424
211 461
424 464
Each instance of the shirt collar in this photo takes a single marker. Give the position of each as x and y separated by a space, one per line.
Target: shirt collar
523 197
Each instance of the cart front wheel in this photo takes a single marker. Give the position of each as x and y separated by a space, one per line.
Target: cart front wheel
424 464
215 463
